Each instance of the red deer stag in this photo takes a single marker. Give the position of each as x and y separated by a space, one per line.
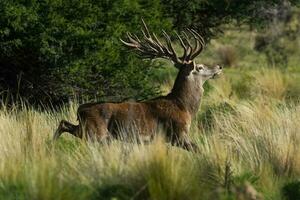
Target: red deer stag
173 112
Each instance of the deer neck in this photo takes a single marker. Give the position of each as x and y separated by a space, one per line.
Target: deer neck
187 92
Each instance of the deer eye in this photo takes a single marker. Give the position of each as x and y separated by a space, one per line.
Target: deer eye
199 68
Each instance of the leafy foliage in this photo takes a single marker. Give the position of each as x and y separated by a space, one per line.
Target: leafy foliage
208 16
53 50
50 50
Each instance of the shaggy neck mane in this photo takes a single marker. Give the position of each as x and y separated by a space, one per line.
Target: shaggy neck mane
187 92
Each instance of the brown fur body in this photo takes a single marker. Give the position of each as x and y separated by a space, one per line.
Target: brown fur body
172 113
141 120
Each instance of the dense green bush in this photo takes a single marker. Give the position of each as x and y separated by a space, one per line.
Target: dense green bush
51 50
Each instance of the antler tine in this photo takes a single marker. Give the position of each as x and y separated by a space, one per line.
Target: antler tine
182 45
136 37
158 42
189 49
187 39
148 37
199 44
170 48
130 44
146 29
168 41
199 36
131 39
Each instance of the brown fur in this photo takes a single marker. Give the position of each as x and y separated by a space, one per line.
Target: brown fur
173 113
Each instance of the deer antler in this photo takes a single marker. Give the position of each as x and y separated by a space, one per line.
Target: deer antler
151 47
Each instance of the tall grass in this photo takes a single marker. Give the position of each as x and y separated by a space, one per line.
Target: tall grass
247 130
251 150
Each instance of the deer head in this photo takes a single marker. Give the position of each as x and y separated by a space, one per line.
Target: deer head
187 88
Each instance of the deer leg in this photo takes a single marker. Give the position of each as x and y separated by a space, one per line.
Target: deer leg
185 143
65 126
96 131
188 145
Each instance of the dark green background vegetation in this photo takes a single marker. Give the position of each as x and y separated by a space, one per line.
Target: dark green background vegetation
51 51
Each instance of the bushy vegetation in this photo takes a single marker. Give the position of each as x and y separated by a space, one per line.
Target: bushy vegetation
247 132
51 51
209 16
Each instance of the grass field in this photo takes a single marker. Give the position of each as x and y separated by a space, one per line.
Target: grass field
248 132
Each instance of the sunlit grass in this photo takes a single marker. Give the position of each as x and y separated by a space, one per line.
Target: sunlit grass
250 143
247 130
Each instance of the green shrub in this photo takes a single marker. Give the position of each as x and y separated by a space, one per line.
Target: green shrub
53 50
